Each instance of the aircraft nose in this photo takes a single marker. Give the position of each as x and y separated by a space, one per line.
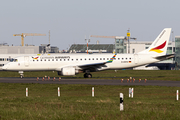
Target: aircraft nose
4 67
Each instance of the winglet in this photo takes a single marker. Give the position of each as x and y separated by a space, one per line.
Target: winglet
111 60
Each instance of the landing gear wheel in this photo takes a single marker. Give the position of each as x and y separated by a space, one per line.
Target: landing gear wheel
87 75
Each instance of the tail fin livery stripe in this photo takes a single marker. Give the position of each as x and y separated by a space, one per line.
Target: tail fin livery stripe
157 49
35 58
160 44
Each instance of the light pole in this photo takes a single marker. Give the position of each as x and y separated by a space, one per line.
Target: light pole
88 40
128 37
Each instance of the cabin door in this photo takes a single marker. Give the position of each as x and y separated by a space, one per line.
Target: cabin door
136 59
26 61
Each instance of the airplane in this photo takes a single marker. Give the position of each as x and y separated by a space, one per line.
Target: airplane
72 64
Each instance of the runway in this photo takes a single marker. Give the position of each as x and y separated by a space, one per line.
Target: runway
91 81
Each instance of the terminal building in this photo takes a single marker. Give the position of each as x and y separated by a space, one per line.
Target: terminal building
28 49
177 52
93 48
121 47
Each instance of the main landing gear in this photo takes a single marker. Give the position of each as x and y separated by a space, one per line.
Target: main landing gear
87 75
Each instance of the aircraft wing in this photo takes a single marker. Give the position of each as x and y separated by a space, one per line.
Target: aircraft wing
94 66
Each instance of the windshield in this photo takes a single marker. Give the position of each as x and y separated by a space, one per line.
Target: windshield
13 60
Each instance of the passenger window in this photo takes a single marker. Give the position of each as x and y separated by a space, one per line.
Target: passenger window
118 58
56 59
96 58
89 58
93 59
60 59
130 58
107 58
100 58
72 59
44 59
103 58
76 59
85 59
49 60
80 59
122 58
52 59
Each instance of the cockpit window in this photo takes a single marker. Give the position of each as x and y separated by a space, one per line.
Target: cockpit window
13 60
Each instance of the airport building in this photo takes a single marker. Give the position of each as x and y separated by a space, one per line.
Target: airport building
121 46
177 52
27 49
92 48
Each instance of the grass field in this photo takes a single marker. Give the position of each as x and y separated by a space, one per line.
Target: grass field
173 75
76 102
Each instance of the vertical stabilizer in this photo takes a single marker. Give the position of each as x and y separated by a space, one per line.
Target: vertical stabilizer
159 46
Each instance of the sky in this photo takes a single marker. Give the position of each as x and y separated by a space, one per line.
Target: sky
69 21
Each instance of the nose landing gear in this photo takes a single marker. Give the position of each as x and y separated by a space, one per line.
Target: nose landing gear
21 74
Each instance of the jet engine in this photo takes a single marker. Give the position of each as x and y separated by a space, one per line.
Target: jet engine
67 71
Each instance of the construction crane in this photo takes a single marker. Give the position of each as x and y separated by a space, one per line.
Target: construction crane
27 34
117 37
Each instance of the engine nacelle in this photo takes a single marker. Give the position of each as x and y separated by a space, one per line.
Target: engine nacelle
68 71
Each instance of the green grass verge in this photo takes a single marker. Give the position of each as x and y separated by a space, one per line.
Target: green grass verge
75 102
109 74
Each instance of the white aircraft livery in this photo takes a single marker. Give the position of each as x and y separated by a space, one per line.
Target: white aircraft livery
71 64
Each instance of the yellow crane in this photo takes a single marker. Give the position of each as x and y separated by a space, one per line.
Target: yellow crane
27 34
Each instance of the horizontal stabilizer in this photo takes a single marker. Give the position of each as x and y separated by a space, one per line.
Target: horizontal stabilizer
164 57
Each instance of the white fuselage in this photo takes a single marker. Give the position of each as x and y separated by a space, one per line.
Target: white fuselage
58 61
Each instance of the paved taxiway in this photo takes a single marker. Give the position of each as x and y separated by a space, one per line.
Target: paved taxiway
90 81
